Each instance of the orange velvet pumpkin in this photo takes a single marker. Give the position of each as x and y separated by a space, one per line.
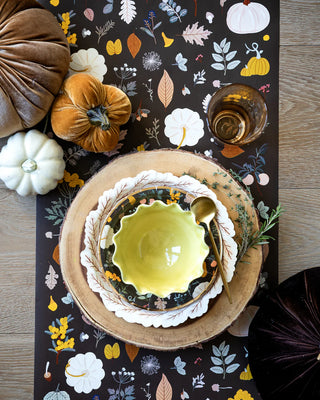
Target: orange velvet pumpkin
90 113
34 58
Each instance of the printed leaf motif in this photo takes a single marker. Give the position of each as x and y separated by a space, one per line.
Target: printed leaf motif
132 351
128 10
217 370
174 11
164 389
198 78
67 299
51 278
114 47
165 89
222 358
231 368
223 57
180 365
195 34
231 151
56 254
112 351
181 62
89 14
134 44
107 9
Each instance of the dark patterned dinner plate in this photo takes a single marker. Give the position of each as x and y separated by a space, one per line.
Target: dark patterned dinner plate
128 206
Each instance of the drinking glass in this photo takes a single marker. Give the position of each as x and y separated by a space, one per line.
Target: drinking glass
237 114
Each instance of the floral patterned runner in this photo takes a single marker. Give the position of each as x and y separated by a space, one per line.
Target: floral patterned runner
169 57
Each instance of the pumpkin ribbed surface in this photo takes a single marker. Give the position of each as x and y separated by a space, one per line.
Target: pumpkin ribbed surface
77 110
34 58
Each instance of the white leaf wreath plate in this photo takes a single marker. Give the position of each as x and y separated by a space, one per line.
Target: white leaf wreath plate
90 256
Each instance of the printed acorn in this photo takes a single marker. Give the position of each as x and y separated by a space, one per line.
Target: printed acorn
47 375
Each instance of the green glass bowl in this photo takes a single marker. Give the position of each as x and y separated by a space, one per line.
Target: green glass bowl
160 249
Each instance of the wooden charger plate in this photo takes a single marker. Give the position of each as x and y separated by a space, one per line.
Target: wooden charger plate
221 313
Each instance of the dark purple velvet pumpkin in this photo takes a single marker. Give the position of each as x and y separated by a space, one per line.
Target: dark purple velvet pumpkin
284 340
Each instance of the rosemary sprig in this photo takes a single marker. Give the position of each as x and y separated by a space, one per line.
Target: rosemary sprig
103 30
260 237
249 238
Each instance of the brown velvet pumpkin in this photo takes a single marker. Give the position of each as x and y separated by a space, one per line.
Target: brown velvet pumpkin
34 58
90 113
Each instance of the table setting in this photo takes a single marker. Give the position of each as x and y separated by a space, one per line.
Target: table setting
162 104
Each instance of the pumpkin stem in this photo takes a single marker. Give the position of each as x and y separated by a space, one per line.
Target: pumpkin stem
29 165
246 2
98 116
255 48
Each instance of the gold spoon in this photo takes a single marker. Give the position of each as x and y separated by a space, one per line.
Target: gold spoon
204 210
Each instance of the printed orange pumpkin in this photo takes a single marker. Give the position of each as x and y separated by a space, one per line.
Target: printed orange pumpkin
90 113
34 58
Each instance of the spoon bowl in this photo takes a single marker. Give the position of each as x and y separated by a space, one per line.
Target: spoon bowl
204 210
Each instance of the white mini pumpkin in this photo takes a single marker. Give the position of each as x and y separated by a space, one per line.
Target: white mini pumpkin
247 17
31 163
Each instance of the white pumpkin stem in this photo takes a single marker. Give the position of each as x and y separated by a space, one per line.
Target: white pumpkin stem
255 48
29 165
98 116
246 2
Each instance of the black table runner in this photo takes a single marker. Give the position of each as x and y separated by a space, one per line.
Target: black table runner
166 56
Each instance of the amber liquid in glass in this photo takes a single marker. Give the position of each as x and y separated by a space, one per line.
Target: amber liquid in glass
231 124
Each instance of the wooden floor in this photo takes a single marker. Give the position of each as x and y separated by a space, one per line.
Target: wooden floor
299 187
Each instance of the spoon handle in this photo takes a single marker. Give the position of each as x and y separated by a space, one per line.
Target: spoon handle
217 257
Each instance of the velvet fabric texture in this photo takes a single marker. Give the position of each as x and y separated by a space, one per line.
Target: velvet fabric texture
89 113
34 59
284 337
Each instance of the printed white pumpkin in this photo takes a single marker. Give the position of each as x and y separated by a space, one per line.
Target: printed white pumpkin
57 395
31 163
84 372
183 127
247 17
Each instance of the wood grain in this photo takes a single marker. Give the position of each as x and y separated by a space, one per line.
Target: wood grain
16 366
299 194
221 313
299 112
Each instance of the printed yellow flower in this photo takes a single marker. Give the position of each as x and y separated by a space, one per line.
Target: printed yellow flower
54 3
73 179
141 148
131 199
112 276
69 344
66 17
55 332
72 39
174 197
65 27
241 395
64 321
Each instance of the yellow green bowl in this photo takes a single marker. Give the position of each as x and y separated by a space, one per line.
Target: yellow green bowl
160 249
